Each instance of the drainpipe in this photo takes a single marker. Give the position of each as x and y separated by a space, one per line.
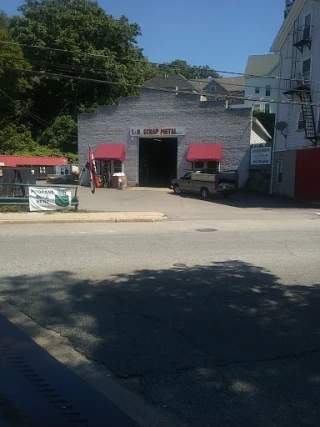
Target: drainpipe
274 141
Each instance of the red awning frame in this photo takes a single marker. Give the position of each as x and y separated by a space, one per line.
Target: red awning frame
107 151
204 152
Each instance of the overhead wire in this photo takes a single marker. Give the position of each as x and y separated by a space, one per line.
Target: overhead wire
145 61
71 67
35 117
177 91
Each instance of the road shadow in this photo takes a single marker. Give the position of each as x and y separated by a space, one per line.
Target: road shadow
222 344
246 199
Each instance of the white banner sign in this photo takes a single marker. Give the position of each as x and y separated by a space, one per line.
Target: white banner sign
260 156
49 198
151 132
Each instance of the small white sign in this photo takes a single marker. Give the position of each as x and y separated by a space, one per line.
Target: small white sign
260 156
1 164
48 198
169 132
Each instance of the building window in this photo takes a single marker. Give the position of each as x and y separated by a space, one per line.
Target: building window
42 169
267 108
306 70
208 164
257 89
212 165
268 90
301 122
279 172
198 165
307 27
117 166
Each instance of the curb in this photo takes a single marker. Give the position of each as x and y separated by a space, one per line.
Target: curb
133 405
84 220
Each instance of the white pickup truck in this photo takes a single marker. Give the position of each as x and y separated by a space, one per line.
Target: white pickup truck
205 183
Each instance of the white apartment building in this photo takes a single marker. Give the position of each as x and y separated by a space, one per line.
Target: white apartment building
297 140
261 83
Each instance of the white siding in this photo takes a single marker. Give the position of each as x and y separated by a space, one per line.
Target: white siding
262 83
290 113
256 138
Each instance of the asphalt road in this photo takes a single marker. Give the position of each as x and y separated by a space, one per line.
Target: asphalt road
215 321
186 206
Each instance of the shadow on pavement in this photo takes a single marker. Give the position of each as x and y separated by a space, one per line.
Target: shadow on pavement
244 199
222 344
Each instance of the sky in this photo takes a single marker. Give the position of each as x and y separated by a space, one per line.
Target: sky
218 33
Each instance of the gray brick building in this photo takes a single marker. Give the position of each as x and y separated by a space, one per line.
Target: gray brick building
156 131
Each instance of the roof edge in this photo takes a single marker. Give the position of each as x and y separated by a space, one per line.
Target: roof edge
286 26
260 125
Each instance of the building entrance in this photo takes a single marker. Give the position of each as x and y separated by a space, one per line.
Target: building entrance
157 161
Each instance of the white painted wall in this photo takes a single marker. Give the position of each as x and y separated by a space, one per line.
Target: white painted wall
257 137
290 113
262 82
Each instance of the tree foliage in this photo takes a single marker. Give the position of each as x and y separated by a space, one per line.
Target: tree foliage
288 6
75 39
188 71
267 119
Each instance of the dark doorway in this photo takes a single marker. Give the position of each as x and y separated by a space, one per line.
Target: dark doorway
157 161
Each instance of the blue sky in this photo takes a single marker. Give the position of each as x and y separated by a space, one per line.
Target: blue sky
221 34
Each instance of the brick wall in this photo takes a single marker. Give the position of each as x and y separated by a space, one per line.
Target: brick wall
203 121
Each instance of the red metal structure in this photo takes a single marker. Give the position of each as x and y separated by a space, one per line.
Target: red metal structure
307 183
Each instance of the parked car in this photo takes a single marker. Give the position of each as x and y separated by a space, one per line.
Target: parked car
206 183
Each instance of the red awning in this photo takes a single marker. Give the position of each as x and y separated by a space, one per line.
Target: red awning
203 152
15 161
110 152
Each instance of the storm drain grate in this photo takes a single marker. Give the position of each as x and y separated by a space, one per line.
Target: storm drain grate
42 386
45 392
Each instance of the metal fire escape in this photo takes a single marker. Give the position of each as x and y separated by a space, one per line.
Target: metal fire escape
299 85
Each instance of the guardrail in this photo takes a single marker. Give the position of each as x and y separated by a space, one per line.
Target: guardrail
18 194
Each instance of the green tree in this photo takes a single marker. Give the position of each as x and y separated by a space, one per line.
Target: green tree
288 6
62 134
78 26
72 27
13 86
267 119
188 71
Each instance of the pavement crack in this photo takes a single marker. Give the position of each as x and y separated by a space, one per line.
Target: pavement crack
174 328
289 356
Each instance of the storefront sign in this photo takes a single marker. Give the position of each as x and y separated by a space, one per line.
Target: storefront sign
150 132
260 156
49 198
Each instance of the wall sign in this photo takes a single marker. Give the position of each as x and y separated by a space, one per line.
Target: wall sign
49 198
164 132
260 156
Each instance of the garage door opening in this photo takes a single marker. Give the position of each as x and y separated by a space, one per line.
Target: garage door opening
157 161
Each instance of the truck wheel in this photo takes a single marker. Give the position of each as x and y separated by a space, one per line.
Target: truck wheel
177 189
204 193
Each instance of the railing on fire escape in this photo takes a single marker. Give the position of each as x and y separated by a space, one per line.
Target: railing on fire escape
298 87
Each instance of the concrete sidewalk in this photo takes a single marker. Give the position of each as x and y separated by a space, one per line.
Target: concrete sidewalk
97 217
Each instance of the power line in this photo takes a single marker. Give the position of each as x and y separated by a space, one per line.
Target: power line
55 65
38 119
70 67
158 64
136 86
35 117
